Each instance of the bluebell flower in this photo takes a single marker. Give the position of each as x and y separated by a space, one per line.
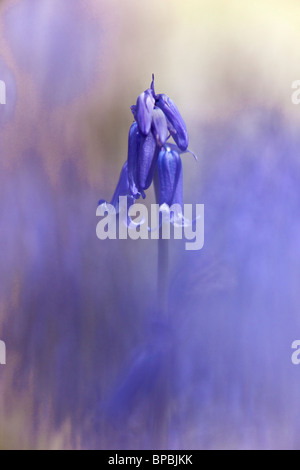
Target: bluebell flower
176 124
142 158
122 189
144 110
171 186
159 126
156 120
170 177
146 161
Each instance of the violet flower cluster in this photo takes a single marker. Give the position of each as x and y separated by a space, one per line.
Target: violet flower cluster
151 155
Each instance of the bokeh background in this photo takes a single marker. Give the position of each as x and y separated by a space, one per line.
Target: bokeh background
90 364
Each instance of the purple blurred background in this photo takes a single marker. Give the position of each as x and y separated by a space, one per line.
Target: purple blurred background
90 365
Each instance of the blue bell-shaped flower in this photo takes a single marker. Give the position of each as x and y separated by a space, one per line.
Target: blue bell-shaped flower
142 158
157 118
170 177
147 160
176 124
122 189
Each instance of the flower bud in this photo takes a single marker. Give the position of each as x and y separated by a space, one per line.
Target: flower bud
143 111
147 160
170 177
159 126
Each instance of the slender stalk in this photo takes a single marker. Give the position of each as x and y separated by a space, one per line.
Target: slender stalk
163 277
162 267
161 417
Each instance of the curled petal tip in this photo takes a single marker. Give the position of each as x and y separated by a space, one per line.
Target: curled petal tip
177 149
192 153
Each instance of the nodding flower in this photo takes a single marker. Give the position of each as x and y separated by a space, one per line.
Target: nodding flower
176 124
144 110
122 189
142 158
160 126
156 120
170 177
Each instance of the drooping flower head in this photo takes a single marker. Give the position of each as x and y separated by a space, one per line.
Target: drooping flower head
156 120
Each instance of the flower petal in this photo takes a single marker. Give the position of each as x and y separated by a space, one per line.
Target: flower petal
122 189
144 110
181 152
147 160
170 177
176 124
159 126
133 154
